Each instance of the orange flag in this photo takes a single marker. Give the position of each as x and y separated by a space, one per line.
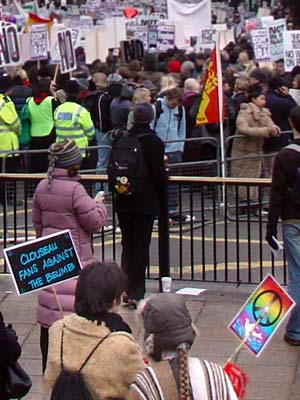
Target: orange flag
208 112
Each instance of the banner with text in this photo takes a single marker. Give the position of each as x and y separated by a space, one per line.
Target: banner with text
10 53
275 30
39 42
43 262
261 44
291 49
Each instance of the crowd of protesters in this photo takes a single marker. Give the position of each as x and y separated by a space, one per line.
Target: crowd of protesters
101 96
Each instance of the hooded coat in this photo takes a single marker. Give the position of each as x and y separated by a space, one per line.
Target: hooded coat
65 206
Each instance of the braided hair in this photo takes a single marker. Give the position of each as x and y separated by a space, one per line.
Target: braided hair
184 376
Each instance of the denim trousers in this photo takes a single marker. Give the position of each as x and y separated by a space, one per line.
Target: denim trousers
103 139
173 193
291 240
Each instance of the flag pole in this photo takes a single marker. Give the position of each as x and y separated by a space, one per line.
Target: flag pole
220 103
221 111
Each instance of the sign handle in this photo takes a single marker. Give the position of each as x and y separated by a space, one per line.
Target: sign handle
58 302
56 72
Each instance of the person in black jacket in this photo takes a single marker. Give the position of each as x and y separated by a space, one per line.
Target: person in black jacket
282 205
280 103
10 351
136 213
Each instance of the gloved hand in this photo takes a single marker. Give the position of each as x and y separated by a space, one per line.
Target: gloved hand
11 331
270 240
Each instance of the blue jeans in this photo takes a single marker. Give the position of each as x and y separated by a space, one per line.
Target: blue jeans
173 193
291 240
103 139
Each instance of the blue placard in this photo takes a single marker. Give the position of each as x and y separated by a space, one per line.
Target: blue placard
43 262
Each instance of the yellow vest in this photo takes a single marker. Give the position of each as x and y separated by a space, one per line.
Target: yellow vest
41 117
9 125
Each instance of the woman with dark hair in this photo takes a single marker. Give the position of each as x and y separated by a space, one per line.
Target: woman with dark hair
169 335
41 107
255 124
113 365
61 202
10 351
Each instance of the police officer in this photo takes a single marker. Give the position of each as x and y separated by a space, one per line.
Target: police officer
73 121
10 129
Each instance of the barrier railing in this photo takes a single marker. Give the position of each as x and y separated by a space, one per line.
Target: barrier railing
221 239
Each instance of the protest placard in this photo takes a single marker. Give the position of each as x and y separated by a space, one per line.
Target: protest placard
261 315
66 51
140 32
261 44
131 50
43 262
10 53
165 37
275 31
55 55
291 49
206 39
39 42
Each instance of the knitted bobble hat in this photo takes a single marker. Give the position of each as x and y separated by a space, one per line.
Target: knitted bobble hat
63 154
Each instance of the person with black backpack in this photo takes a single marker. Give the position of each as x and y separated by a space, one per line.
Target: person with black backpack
137 176
92 354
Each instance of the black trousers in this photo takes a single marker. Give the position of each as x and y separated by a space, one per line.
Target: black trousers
136 238
44 342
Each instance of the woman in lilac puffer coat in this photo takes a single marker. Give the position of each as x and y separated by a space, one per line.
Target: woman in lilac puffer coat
61 202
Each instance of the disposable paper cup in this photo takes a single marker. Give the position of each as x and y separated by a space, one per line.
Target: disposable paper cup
166 282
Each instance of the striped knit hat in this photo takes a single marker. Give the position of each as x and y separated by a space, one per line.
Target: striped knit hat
63 154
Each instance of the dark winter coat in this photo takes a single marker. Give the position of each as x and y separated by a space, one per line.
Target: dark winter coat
284 173
153 198
10 351
280 107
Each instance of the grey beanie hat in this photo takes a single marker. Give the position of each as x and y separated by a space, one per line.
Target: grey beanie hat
168 319
143 113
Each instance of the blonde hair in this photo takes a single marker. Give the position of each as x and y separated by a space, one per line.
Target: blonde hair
241 85
167 82
140 95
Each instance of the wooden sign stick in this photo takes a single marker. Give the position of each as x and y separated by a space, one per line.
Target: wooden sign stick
58 302
239 348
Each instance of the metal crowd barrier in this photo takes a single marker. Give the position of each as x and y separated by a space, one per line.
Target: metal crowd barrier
218 240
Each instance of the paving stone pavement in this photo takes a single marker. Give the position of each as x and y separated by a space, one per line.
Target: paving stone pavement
274 375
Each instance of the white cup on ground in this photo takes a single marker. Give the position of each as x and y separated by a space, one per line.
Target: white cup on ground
166 282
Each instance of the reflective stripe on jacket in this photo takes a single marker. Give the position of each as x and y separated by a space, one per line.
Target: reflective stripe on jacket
73 121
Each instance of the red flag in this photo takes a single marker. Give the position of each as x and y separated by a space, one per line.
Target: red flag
35 19
208 112
130 12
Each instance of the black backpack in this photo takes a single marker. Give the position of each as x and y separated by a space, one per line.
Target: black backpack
126 169
70 384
